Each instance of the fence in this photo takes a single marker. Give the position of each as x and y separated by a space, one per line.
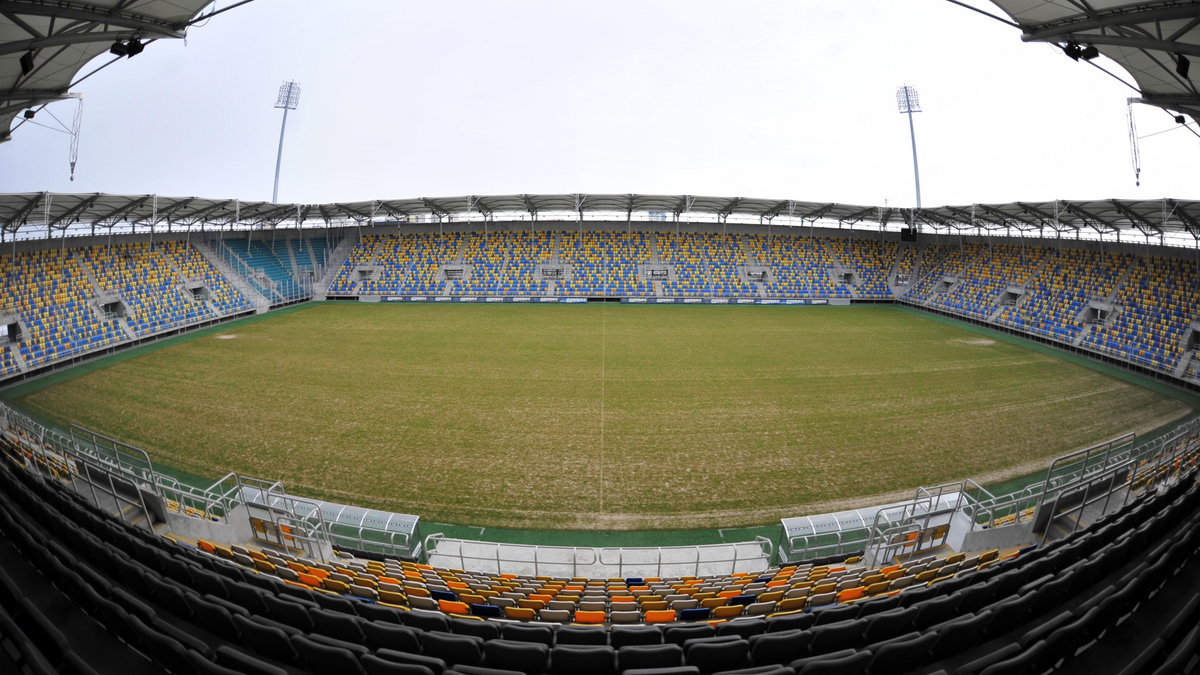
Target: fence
599 562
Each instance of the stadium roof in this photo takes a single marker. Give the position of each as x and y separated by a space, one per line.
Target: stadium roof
1155 40
46 215
44 44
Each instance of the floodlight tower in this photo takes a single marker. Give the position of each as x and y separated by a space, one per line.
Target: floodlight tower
906 98
288 99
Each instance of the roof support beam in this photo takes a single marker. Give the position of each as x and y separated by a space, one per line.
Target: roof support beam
67 39
1169 100
434 208
1137 220
78 11
28 98
820 212
117 214
197 216
1121 16
1135 43
1004 219
1092 220
775 210
729 207
1188 221
164 214
74 211
858 215
22 213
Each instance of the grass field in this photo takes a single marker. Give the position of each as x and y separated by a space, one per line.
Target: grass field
601 416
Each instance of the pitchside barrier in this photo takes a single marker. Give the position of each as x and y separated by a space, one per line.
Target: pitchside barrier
534 299
599 562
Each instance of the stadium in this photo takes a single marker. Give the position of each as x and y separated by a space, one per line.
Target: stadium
622 434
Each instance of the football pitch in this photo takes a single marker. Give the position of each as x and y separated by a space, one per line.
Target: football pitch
602 417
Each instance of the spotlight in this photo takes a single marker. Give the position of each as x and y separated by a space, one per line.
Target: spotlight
1182 65
1073 50
134 48
1090 52
118 48
27 63
29 114
1180 119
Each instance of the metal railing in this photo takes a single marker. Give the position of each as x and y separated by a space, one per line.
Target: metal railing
813 546
277 292
597 562
296 523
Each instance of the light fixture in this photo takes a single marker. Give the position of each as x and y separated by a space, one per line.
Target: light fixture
118 48
1073 50
29 114
1090 52
1182 65
27 62
134 48
1180 119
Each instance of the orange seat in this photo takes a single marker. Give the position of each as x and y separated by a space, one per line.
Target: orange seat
453 607
850 594
309 580
582 616
659 616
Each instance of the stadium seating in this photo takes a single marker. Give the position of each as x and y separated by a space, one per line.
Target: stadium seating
1156 304
1120 595
78 300
272 270
1148 303
605 263
51 292
148 285
8 363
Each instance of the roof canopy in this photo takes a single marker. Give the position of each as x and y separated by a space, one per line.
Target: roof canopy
45 215
1154 40
45 44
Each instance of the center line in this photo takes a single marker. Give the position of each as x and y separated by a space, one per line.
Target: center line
603 326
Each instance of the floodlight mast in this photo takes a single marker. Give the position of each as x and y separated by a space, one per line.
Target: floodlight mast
288 99
906 99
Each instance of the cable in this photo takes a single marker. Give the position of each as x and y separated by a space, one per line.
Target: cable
985 13
1174 128
1134 149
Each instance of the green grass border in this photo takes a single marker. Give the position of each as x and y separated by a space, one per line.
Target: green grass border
627 538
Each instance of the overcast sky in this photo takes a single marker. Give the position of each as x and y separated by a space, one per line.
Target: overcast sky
751 98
